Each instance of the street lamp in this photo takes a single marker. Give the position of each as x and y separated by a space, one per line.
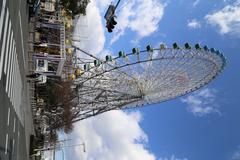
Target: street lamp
84 148
53 147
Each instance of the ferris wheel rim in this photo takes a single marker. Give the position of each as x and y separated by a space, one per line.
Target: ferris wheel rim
169 49
223 58
175 72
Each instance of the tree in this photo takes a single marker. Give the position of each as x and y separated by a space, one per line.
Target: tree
75 7
60 101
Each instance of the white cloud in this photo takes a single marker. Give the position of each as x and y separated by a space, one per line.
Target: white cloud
194 24
202 102
114 135
90 30
131 16
226 19
103 4
172 158
140 16
236 155
195 3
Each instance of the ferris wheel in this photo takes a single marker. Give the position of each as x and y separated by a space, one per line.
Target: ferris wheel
144 77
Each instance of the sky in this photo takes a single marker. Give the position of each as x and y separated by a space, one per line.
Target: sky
203 125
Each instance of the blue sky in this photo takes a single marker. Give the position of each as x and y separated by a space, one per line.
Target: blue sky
203 125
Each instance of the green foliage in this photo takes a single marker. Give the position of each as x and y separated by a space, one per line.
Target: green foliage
75 7
59 95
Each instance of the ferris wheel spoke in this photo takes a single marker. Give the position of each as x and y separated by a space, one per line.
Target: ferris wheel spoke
170 80
146 78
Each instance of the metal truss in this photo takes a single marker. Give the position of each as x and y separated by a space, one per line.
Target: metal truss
145 77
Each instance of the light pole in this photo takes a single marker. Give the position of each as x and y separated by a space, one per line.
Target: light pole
67 146
75 145
62 154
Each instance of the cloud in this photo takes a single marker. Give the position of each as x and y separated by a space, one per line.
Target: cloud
195 3
226 19
140 16
103 4
90 30
114 135
194 24
236 155
172 158
130 15
202 102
